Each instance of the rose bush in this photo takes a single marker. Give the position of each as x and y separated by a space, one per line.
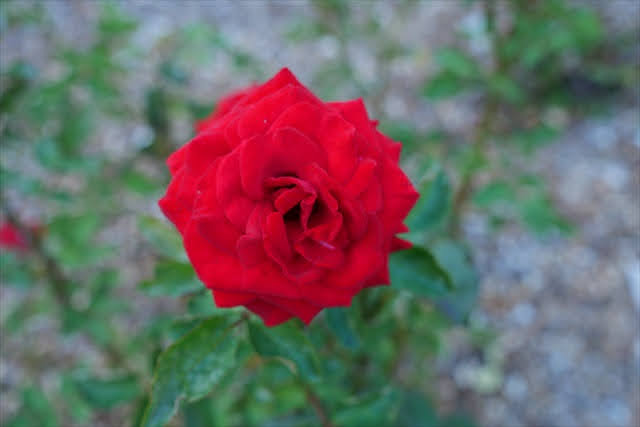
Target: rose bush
287 204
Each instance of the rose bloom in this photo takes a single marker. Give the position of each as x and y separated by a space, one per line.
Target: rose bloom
288 204
11 239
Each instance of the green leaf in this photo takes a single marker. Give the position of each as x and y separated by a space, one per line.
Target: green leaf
162 237
457 420
35 410
415 408
535 137
79 410
114 23
338 322
375 410
107 393
14 270
190 368
457 62
494 192
172 278
444 85
433 204
539 214
506 88
200 414
417 270
458 303
287 342
403 132
71 239
138 182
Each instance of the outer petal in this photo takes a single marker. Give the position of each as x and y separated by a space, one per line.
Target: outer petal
231 299
225 105
301 309
364 257
258 118
270 314
221 271
356 113
399 196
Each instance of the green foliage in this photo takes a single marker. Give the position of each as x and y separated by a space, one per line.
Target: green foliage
286 342
432 207
457 63
419 272
172 278
338 322
35 410
377 409
162 238
444 85
455 260
107 393
190 368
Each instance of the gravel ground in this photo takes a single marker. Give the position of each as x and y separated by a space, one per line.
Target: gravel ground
566 309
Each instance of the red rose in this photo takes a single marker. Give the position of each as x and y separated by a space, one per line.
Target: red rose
10 238
223 107
287 204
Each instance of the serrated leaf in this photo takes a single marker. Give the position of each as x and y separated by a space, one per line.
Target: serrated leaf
433 204
338 322
172 278
190 368
417 270
287 342
107 393
162 237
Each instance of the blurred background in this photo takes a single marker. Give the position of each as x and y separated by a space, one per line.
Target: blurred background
521 126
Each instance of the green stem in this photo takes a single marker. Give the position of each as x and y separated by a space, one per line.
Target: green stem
485 125
318 406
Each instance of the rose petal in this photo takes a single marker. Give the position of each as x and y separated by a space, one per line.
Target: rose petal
363 258
270 314
283 152
219 232
231 299
300 309
361 178
221 271
320 253
276 243
203 150
259 117
250 251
